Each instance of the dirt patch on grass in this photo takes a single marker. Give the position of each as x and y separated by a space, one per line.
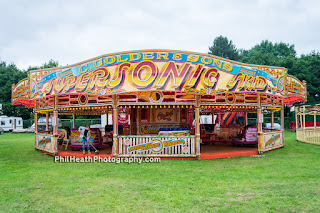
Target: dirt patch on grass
241 196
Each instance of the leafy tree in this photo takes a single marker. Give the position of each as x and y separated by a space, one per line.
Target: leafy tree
50 64
307 68
224 48
267 53
17 111
10 74
283 50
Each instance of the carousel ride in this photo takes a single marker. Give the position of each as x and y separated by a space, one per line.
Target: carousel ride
164 94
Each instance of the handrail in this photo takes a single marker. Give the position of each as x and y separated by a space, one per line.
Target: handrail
157 145
270 140
309 135
156 136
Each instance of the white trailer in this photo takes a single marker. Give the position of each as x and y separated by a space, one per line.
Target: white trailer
7 123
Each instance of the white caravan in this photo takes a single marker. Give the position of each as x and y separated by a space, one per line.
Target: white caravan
6 123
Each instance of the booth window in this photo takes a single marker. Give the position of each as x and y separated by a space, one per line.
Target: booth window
10 121
3 123
19 122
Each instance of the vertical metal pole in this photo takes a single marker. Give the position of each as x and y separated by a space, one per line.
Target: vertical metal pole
197 127
35 127
296 115
246 118
73 120
212 116
304 117
115 125
304 123
260 136
314 120
282 121
35 122
272 119
55 131
313 138
282 117
47 121
259 112
115 121
55 116
300 118
55 128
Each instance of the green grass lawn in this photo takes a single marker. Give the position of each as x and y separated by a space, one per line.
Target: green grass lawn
284 180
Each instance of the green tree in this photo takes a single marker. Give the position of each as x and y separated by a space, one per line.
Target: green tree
267 53
307 68
224 48
17 111
10 74
50 64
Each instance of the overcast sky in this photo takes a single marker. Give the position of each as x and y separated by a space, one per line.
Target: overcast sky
71 31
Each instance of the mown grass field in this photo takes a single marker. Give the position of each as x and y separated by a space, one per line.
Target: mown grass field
285 180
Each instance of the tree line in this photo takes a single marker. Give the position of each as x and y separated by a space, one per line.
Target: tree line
304 67
10 74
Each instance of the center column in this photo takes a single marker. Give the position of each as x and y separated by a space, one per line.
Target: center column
115 126
197 127
55 125
259 118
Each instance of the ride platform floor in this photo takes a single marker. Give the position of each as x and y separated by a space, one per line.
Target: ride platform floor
207 151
